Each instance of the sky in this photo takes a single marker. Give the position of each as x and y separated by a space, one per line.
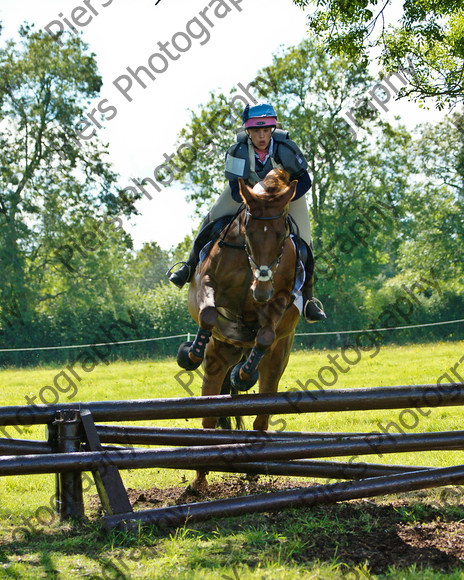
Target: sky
240 39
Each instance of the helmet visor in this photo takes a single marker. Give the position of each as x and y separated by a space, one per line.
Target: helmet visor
261 122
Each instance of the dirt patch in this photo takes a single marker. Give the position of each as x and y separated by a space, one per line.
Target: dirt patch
175 495
411 528
391 543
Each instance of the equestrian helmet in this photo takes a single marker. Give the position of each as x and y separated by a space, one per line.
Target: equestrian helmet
260 115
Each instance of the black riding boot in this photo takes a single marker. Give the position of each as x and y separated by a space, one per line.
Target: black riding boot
185 273
313 310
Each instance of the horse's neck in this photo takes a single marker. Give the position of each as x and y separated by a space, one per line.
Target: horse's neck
236 232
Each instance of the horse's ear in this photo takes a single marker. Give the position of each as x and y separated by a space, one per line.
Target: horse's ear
289 193
245 191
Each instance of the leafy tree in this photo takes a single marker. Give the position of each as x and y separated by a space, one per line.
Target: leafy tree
309 91
427 43
350 177
53 183
148 267
181 252
201 148
436 203
170 311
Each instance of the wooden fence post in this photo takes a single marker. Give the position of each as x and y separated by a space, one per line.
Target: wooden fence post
70 501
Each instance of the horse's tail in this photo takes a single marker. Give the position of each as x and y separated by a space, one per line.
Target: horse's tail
229 389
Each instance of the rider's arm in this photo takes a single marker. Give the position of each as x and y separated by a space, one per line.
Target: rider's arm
304 183
290 156
235 190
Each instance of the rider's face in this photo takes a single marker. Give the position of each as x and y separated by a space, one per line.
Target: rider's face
260 137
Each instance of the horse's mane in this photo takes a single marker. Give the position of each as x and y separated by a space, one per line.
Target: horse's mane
275 182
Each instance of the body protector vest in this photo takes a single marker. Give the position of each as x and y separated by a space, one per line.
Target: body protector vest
241 159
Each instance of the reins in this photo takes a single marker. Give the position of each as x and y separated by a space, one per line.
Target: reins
222 242
261 273
265 273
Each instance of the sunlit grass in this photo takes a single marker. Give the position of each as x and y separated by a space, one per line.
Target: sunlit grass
251 550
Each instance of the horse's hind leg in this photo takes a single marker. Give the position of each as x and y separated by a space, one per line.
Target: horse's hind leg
219 357
270 372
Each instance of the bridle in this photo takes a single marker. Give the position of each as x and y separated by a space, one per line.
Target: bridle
264 273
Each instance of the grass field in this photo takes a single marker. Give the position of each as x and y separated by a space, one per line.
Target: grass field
310 543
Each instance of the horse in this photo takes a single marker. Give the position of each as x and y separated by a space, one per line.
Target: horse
242 298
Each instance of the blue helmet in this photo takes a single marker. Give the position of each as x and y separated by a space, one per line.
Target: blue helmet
260 115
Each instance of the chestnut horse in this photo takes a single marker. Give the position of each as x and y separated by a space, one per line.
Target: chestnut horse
241 298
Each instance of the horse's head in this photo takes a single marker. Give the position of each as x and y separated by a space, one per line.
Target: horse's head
266 228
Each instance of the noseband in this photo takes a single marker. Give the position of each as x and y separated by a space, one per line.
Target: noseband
263 273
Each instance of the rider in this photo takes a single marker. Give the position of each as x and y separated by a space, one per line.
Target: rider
261 147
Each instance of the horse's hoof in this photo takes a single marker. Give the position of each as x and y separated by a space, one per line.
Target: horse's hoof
189 491
238 383
198 487
183 359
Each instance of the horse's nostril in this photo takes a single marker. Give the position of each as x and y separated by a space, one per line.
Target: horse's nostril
262 295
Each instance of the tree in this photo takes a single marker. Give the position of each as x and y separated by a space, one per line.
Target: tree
351 178
436 203
309 91
54 184
427 43
148 267
200 166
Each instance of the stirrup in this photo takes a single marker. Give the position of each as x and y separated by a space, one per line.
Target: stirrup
318 310
175 279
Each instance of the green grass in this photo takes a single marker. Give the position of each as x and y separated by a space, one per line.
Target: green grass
261 546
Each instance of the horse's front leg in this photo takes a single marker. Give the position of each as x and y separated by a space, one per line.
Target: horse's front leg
245 375
190 355
219 357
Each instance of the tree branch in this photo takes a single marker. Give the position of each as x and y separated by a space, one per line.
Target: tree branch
51 296
37 156
3 208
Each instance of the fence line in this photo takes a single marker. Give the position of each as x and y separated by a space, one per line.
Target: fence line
96 344
380 329
187 335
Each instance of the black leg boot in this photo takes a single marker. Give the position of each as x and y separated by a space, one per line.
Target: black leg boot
185 273
313 311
